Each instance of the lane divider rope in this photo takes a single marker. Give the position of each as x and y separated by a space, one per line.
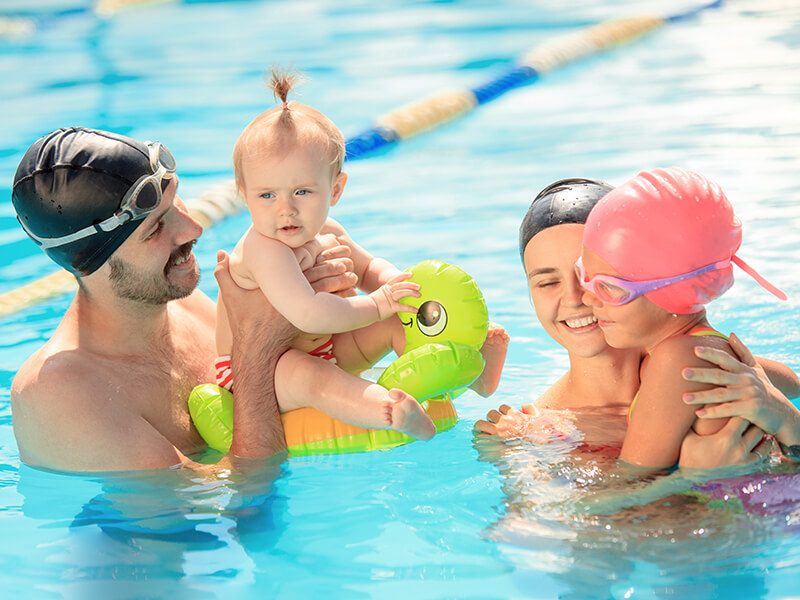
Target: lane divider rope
400 124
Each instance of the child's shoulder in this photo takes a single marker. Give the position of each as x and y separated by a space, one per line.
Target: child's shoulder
254 239
681 348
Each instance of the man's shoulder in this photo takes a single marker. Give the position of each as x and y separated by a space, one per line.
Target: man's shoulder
55 373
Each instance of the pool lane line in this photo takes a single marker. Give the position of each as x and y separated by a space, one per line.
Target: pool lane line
400 124
436 110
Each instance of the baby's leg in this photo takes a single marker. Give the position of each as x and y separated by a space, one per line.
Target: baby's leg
302 380
359 350
494 353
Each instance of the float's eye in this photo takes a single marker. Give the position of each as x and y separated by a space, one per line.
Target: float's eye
431 318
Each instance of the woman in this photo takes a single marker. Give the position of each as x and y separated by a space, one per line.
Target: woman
604 379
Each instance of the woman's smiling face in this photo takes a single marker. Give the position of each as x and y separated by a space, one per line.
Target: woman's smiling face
557 298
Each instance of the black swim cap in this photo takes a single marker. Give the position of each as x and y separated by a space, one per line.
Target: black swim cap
565 201
73 178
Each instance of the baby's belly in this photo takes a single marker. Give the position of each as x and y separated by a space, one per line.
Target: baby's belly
308 342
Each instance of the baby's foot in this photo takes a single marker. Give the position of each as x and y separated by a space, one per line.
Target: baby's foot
494 353
409 417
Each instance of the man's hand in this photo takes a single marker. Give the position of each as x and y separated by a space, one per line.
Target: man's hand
333 272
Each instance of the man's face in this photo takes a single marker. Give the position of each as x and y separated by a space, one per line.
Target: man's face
156 263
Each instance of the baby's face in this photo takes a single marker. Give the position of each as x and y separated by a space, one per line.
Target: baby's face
289 195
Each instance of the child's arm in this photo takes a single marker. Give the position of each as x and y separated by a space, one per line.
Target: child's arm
372 272
660 418
273 266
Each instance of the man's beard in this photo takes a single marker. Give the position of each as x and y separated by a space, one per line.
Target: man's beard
149 288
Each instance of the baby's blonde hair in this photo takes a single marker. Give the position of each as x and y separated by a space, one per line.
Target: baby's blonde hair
278 129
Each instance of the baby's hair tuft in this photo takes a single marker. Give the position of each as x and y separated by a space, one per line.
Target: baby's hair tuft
281 83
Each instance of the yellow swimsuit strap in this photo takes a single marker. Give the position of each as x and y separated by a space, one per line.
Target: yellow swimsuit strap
707 331
698 331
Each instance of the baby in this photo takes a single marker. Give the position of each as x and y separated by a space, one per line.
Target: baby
288 166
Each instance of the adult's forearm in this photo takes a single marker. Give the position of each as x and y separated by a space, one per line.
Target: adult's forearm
789 432
781 376
257 428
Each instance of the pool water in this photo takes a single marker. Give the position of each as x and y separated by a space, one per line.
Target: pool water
453 517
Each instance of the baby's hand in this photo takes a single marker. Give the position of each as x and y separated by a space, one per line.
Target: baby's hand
387 296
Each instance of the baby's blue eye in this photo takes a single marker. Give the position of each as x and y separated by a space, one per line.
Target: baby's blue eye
303 192
267 196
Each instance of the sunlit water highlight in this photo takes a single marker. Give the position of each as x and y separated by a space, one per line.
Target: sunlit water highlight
450 517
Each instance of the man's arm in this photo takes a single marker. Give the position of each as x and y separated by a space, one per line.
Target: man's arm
260 336
66 419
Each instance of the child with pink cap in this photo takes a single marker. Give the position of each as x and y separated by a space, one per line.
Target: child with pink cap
656 250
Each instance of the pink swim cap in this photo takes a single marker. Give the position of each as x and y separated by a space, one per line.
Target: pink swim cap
664 223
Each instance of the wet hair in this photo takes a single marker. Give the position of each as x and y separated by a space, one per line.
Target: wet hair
564 201
291 124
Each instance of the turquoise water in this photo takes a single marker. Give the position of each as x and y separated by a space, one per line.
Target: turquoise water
448 518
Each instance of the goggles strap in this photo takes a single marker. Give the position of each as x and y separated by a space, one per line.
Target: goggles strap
761 281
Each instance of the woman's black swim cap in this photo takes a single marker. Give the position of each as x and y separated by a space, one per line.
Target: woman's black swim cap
565 201
73 178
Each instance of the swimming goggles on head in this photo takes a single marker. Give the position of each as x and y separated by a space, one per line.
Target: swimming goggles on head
138 202
616 291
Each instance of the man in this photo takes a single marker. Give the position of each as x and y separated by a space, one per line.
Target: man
108 390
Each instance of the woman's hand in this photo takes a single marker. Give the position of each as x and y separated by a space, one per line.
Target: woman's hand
745 391
505 422
529 424
737 443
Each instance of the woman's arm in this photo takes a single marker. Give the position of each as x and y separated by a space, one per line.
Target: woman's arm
748 394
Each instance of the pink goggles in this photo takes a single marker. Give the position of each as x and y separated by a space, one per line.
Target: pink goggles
616 291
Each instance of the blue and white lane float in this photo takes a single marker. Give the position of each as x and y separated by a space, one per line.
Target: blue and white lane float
397 125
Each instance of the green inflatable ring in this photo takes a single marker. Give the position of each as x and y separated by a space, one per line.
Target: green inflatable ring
441 359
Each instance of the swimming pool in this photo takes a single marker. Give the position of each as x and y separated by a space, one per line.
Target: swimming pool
718 94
